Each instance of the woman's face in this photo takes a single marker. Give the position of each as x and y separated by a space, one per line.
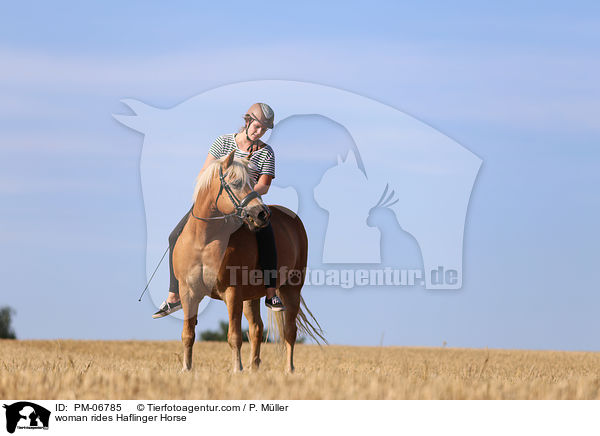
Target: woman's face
256 130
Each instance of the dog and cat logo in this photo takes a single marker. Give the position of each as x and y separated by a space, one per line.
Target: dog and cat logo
26 415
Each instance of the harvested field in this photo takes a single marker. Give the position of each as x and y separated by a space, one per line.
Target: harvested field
63 369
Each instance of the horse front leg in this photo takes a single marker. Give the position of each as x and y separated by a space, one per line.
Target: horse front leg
188 335
255 330
234 334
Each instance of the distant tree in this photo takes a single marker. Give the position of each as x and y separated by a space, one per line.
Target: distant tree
6 330
220 335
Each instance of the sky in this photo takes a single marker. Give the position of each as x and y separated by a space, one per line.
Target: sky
515 83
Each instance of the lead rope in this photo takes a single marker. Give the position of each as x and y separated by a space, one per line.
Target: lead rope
152 276
167 250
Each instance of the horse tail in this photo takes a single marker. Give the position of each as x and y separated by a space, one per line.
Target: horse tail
275 330
308 324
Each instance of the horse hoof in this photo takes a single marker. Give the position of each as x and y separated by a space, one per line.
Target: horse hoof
254 365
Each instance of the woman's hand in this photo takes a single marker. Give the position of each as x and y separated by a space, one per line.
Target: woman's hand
263 184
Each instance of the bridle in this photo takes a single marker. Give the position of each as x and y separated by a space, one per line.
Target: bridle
239 205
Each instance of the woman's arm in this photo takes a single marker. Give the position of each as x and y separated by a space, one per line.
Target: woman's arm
263 184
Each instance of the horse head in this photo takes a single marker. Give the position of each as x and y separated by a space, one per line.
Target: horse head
226 184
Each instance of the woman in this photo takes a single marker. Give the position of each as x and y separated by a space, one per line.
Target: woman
258 120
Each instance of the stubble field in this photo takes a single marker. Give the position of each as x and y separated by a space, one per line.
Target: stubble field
151 370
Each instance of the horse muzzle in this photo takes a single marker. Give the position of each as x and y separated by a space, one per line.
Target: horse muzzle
258 217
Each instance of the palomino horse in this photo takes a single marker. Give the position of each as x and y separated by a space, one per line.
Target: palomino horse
213 256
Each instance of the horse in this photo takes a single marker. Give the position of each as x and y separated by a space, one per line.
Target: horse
217 249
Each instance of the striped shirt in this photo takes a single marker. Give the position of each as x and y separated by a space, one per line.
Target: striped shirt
262 161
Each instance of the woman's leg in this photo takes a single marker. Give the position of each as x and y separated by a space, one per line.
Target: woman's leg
267 258
174 283
172 302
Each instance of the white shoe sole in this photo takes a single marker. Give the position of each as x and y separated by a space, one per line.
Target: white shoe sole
276 309
166 313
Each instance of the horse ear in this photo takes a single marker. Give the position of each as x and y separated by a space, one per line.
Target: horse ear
229 159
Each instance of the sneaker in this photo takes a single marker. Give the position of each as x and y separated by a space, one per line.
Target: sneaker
167 309
274 304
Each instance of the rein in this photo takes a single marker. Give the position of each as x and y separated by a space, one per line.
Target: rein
240 205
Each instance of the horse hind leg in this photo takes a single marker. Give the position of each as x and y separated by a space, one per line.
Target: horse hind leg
188 335
290 296
255 331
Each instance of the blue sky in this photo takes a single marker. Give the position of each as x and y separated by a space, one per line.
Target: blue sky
514 83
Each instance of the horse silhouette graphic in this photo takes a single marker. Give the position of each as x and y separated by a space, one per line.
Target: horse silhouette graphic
26 414
431 176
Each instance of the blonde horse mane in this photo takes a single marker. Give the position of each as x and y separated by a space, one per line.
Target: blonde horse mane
237 171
